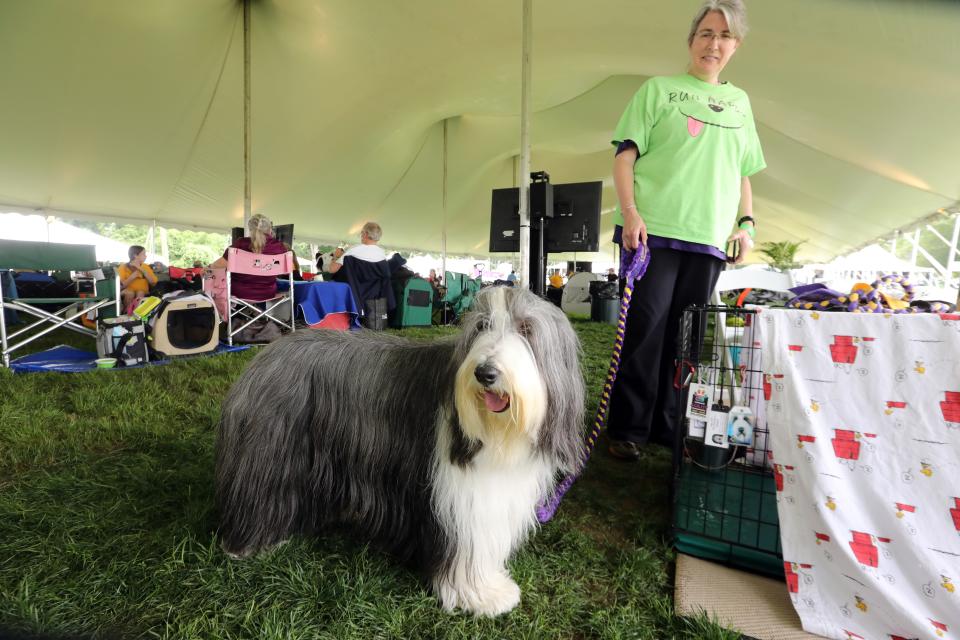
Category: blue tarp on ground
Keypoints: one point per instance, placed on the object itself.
(64, 359)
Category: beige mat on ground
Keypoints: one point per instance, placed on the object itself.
(755, 606)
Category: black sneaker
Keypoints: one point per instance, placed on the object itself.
(624, 450)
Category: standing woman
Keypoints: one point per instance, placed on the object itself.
(686, 147)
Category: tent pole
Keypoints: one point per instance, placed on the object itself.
(246, 112)
(443, 191)
(916, 245)
(151, 237)
(525, 146)
(164, 247)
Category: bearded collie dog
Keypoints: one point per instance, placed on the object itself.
(437, 452)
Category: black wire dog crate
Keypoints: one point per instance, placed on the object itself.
(725, 482)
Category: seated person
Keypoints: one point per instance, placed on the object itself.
(324, 260)
(367, 250)
(261, 241)
(136, 278)
(160, 270)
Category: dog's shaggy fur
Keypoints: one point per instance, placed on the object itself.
(438, 452)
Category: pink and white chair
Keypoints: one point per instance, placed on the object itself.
(246, 310)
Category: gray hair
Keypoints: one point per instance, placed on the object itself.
(373, 231)
(259, 227)
(733, 10)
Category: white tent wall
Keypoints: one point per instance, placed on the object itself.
(15, 226)
(130, 110)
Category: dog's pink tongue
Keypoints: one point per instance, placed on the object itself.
(494, 402)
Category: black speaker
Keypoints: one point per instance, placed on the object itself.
(541, 200)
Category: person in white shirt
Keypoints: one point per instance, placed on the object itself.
(367, 250)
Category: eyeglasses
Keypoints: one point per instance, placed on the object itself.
(710, 35)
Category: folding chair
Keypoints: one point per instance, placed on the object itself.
(743, 279)
(751, 279)
(372, 290)
(245, 309)
(50, 256)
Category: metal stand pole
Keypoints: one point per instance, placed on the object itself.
(525, 145)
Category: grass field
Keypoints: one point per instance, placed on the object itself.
(107, 529)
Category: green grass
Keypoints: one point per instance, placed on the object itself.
(107, 529)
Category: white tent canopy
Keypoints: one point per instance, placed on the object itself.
(875, 258)
(134, 110)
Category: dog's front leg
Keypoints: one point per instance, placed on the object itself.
(478, 584)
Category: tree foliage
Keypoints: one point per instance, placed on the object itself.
(185, 246)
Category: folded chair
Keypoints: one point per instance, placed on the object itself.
(51, 256)
(243, 312)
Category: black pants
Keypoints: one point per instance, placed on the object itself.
(643, 403)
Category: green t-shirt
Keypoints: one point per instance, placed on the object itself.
(696, 141)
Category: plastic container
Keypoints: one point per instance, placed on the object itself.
(106, 363)
(604, 302)
(146, 307)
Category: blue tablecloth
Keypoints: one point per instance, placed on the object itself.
(317, 299)
(29, 276)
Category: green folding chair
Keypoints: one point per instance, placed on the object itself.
(454, 284)
(414, 304)
(51, 256)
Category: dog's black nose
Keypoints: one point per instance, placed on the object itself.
(486, 375)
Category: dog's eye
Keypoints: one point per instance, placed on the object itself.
(483, 324)
(523, 328)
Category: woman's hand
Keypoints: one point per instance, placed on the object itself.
(745, 241)
(634, 230)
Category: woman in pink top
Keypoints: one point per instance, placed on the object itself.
(260, 240)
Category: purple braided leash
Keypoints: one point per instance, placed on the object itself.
(638, 262)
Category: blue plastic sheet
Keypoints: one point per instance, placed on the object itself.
(64, 359)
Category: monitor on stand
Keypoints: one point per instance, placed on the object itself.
(284, 233)
(572, 223)
(575, 226)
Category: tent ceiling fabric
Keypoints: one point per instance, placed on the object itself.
(133, 110)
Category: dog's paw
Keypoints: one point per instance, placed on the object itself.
(238, 555)
(249, 552)
(494, 596)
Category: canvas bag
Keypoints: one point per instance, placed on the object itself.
(123, 338)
